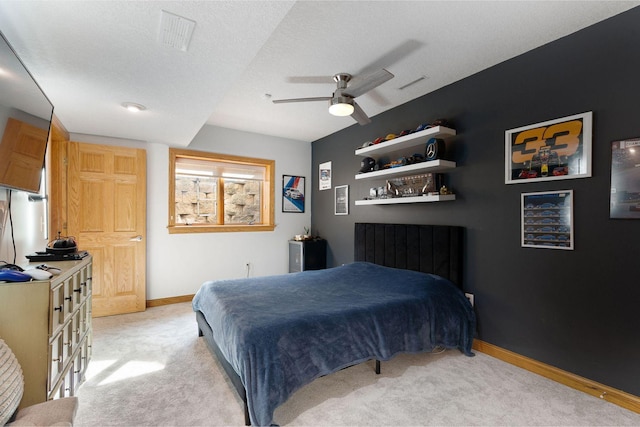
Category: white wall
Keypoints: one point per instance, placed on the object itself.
(28, 226)
(177, 264)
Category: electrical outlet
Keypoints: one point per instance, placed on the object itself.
(3, 214)
(469, 297)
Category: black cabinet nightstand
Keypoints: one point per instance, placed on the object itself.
(307, 255)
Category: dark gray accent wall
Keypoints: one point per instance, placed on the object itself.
(576, 310)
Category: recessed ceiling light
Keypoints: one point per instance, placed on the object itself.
(133, 107)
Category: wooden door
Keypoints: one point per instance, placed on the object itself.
(106, 213)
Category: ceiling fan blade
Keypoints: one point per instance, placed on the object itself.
(359, 115)
(310, 79)
(282, 101)
(367, 83)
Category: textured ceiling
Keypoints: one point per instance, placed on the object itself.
(91, 56)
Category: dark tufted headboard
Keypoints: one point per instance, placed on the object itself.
(433, 249)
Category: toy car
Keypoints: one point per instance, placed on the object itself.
(560, 170)
(527, 173)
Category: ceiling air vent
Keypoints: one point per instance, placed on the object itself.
(419, 79)
(175, 31)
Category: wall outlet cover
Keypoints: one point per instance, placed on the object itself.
(4, 213)
(4, 207)
(470, 298)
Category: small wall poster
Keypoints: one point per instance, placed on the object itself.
(342, 200)
(325, 176)
(292, 193)
(547, 220)
(625, 179)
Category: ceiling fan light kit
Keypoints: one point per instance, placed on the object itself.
(341, 106)
(342, 102)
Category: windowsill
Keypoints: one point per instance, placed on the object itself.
(198, 228)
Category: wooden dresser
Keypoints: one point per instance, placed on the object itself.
(47, 324)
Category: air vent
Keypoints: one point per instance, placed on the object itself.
(419, 79)
(175, 31)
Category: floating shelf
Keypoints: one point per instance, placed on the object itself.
(405, 146)
(426, 167)
(415, 199)
(407, 142)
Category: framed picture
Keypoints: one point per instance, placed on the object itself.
(547, 220)
(325, 176)
(342, 200)
(552, 150)
(292, 193)
(625, 179)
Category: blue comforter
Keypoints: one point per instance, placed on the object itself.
(281, 332)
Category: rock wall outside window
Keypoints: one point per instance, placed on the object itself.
(196, 201)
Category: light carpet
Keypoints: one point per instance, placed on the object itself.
(151, 369)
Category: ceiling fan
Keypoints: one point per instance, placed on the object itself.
(342, 102)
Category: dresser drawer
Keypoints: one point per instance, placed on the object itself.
(67, 341)
(83, 322)
(69, 386)
(70, 302)
(77, 291)
(56, 351)
(87, 316)
(89, 346)
(57, 390)
(80, 362)
(64, 387)
(56, 308)
(76, 321)
(85, 281)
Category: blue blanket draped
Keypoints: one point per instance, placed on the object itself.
(281, 332)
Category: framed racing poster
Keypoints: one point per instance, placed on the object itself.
(552, 150)
(324, 174)
(292, 193)
(625, 179)
(341, 203)
(547, 220)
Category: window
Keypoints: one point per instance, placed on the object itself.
(214, 192)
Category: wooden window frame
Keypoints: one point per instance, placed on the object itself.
(267, 211)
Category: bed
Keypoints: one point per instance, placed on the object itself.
(274, 334)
